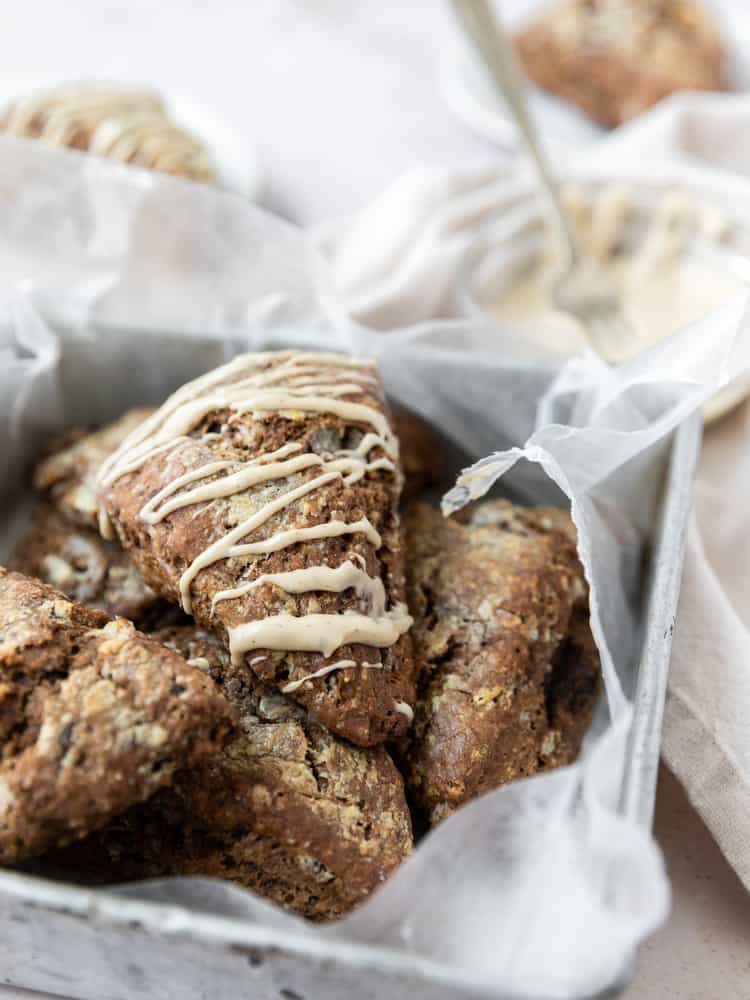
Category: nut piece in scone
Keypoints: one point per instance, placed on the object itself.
(67, 477)
(286, 809)
(508, 672)
(615, 58)
(421, 454)
(263, 497)
(94, 717)
(88, 569)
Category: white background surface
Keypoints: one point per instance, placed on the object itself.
(338, 97)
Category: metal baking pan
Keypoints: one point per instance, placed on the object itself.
(100, 946)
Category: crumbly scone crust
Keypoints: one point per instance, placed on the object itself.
(359, 704)
(286, 809)
(615, 58)
(494, 603)
(67, 477)
(82, 565)
(94, 717)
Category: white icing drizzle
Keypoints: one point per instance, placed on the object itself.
(300, 581)
(317, 633)
(138, 459)
(329, 529)
(404, 709)
(250, 474)
(296, 383)
(222, 548)
(189, 405)
(329, 669)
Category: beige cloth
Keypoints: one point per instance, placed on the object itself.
(706, 728)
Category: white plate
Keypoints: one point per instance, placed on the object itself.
(563, 128)
(235, 162)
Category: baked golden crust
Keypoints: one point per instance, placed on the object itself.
(94, 717)
(360, 703)
(87, 569)
(286, 809)
(508, 674)
(67, 477)
(616, 58)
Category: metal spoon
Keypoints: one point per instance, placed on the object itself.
(584, 289)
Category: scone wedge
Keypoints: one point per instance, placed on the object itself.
(508, 670)
(286, 809)
(263, 497)
(94, 717)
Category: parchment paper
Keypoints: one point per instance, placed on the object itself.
(119, 285)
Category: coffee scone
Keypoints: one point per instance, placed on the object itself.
(82, 565)
(119, 123)
(67, 476)
(286, 809)
(616, 58)
(94, 717)
(508, 671)
(263, 497)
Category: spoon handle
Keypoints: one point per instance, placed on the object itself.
(490, 41)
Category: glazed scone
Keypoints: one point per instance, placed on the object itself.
(129, 126)
(615, 58)
(94, 717)
(508, 672)
(288, 810)
(67, 477)
(82, 565)
(263, 497)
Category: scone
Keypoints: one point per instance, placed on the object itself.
(615, 58)
(82, 565)
(508, 671)
(129, 126)
(94, 717)
(286, 809)
(263, 497)
(67, 476)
